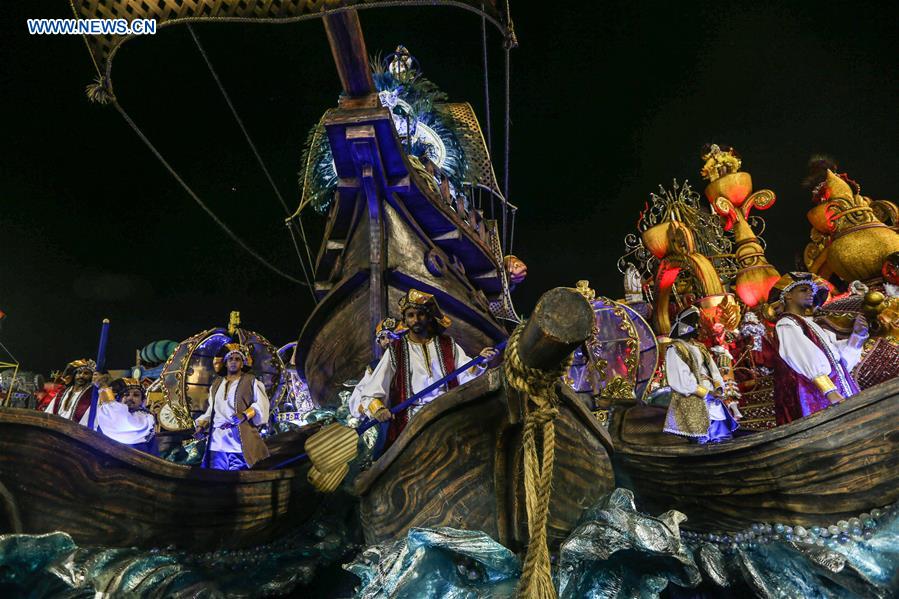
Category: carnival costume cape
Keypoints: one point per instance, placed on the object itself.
(693, 412)
(252, 446)
(809, 363)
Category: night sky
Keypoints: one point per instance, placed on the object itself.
(609, 100)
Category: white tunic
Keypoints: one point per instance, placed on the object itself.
(229, 439)
(681, 378)
(69, 401)
(802, 355)
(424, 359)
(118, 423)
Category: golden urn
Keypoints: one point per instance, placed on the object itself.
(859, 241)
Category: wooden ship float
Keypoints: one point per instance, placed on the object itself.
(390, 228)
(459, 462)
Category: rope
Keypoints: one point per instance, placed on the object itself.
(486, 83)
(259, 159)
(296, 247)
(539, 386)
(506, 148)
(197, 199)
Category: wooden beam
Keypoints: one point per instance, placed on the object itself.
(562, 321)
(350, 55)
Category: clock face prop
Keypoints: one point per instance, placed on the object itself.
(168, 420)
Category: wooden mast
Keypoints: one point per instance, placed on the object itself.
(351, 58)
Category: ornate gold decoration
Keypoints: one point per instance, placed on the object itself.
(583, 287)
(852, 240)
(730, 195)
(618, 388)
(719, 162)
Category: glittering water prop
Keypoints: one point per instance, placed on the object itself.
(52, 565)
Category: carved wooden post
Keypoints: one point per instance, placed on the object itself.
(562, 321)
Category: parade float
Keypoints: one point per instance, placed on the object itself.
(406, 190)
(827, 467)
(528, 454)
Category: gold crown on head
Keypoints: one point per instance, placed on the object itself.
(83, 363)
(419, 299)
(242, 350)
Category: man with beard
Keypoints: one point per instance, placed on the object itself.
(421, 357)
(74, 401)
(122, 414)
(238, 407)
(812, 368)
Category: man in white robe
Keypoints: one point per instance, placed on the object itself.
(813, 367)
(238, 407)
(696, 409)
(74, 401)
(122, 414)
(420, 358)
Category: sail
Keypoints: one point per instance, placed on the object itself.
(171, 12)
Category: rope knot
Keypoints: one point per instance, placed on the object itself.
(541, 411)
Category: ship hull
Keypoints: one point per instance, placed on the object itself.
(830, 466)
(56, 475)
(459, 463)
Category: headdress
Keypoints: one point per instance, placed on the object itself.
(241, 350)
(791, 280)
(82, 363)
(686, 322)
(391, 327)
(119, 386)
(419, 299)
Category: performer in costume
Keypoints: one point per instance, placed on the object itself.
(812, 368)
(387, 331)
(696, 410)
(75, 400)
(122, 414)
(421, 357)
(238, 406)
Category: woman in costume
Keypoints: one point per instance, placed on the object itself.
(695, 410)
(122, 414)
(812, 369)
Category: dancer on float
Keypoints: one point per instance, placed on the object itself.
(238, 407)
(75, 399)
(387, 331)
(696, 409)
(812, 368)
(421, 357)
(122, 413)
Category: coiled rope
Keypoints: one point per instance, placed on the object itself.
(540, 413)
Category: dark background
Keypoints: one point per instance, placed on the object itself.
(609, 99)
